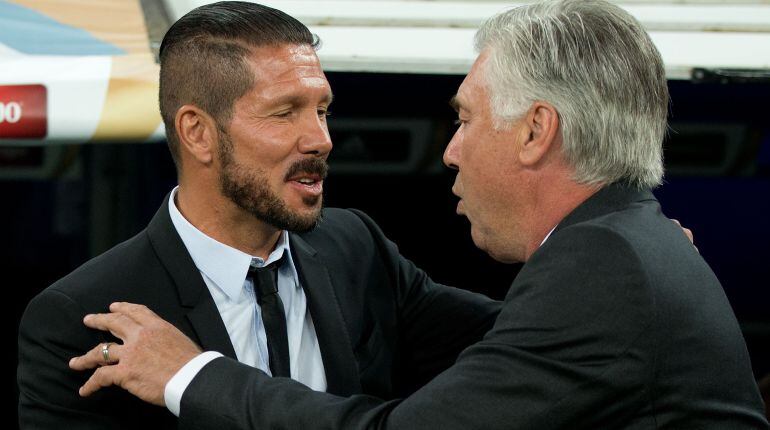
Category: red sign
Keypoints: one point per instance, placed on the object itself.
(23, 111)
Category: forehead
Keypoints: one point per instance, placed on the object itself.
(473, 88)
(286, 68)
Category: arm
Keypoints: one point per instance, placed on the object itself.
(568, 350)
(571, 348)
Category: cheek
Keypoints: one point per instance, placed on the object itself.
(272, 158)
(478, 167)
(487, 180)
(253, 164)
(264, 141)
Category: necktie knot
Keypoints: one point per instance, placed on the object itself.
(265, 279)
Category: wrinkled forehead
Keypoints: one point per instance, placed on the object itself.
(287, 67)
(474, 84)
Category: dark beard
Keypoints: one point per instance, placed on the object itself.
(249, 190)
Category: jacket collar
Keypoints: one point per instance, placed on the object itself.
(202, 313)
(610, 198)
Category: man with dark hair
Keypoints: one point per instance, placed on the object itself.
(241, 257)
(204, 58)
(614, 322)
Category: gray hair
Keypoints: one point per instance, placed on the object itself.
(595, 64)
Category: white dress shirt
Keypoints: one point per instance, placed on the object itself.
(224, 270)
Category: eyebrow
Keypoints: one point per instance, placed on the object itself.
(455, 103)
(298, 100)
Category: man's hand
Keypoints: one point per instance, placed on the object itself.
(687, 232)
(152, 352)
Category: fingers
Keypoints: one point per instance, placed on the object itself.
(96, 357)
(687, 231)
(88, 360)
(125, 318)
(136, 312)
(102, 377)
(117, 324)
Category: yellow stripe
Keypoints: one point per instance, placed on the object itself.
(131, 106)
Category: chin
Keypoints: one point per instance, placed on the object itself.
(501, 257)
(312, 215)
(479, 242)
(302, 205)
(507, 259)
(501, 254)
(304, 219)
(308, 210)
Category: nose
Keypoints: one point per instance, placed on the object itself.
(452, 153)
(314, 138)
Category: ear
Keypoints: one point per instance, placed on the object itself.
(197, 133)
(542, 122)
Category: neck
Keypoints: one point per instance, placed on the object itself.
(554, 199)
(219, 218)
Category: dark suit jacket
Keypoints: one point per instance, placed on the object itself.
(383, 326)
(616, 322)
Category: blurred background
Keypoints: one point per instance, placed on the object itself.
(83, 163)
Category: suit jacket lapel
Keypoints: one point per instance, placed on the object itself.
(336, 350)
(194, 296)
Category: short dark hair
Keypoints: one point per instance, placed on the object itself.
(203, 57)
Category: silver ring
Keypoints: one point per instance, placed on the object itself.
(106, 352)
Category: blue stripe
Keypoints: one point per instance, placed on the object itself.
(31, 32)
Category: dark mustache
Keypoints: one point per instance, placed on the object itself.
(311, 165)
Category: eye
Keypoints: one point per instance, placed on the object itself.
(283, 114)
(324, 113)
(458, 122)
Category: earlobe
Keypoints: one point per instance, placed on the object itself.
(542, 123)
(197, 133)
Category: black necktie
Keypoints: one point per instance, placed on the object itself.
(273, 317)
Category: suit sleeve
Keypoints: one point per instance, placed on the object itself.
(51, 332)
(567, 351)
(436, 322)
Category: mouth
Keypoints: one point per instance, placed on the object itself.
(460, 209)
(308, 183)
(307, 176)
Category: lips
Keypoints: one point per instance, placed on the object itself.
(307, 171)
(307, 176)
(456, 192)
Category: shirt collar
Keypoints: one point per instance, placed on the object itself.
(548, 235)
(223, 264)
